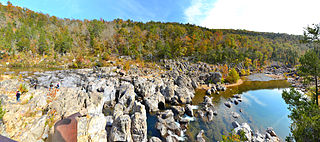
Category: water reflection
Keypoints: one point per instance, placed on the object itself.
(262, 106)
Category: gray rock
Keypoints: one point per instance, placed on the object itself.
(154, 139)
(109, 95)
(139, 123)
(214, 77)
(154, 101)
(200, 137)
(189, 110)
(178, 110)
(235, 124)
(208, 92)
(227, 104)
(235, 115)
(120, 130)
(96, 128)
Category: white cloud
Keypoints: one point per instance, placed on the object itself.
(284, 16)
(197, 11)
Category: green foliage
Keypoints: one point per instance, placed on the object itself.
(234, 137)
(23, 88)
(2, 111)
(26, 31)
(243, 72)
(305, 116)
(233, 76)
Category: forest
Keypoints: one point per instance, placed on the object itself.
(28, 38)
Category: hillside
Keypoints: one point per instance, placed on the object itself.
(36, 39)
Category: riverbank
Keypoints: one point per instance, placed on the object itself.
(117, 95)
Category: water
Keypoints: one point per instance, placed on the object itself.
(262, 106)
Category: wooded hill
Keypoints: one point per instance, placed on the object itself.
(25, 34)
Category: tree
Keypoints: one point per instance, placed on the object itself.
(310, 61)
(305, 116)
(310, 66)
(233, 76)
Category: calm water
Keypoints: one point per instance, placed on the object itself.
(262, 106)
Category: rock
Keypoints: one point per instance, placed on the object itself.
(126, 96)
(189, 110)
(109, 95)
(237, 96)
(184, 95)
(139, 123)
(208, 92)
(178, 110)
(210, 115)
(221, 88)
(184, 81)
(82, 134)
(200, 137)
(166, 124)
(246, 129)
(235, 115)
(235, 124)
(155, 102)
(201, 114)
(35, 130)
(227, 104)
(271, 132)
(208, 101)
(214, 77)
(257, 137)
(235, 102)
(96, 128)
(168, 91)
(120, 130)
(154, 139)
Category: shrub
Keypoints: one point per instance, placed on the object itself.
(23, 88)
(243, 72)
(2, 111)
(233, 76)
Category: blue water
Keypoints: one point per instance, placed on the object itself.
(261, 108)
(266, 108)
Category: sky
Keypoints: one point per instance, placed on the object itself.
(278, 16)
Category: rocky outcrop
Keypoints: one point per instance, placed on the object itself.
(270, 135)
(139, 123)
(121, 129)
(167, 125)
(200, 136)
(154, 139)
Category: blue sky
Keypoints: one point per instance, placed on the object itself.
(283, 16)
(137, 10)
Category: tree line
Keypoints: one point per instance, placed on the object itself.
(25, 31)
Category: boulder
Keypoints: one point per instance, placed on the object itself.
(208, 92)
(235, 115)
(227, 104)
(126, 96)
(235, 124)
(109, 95)
(166, 122)
(246, 129)
(96, 128)
(178, 110)
(120, 130)
(155, 102)
(184, 95)
(154, 139)
(36, 130)
(214, 77)
(139, 123)
(200, 136)
(189, 110)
